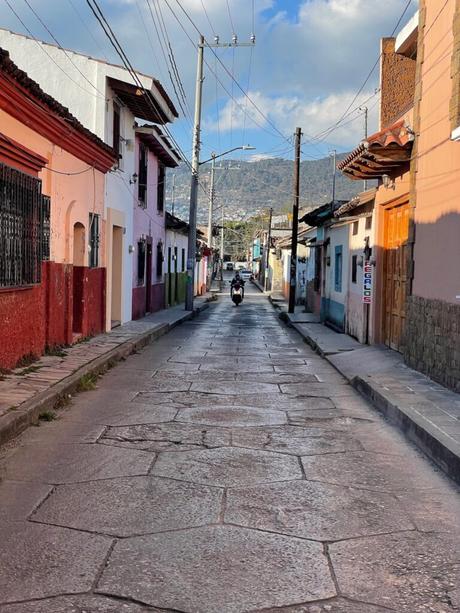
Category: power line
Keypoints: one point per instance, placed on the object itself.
(99, 15)
(41, 45)
(62, 48)
(219, 81)
(344, 114)
(207, 17)
(88, 29)
(171, 55)
(230, 17)
(265, 117)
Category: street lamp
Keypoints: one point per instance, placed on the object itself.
(192, 227)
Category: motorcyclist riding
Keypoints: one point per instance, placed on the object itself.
(237, 280)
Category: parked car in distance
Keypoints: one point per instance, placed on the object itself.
(229, 266)
(245, 274)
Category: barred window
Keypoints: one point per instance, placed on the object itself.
(94, 240)
(142, 178)
(24, 228)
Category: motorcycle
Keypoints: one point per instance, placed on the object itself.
(237, 293)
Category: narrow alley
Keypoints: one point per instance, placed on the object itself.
(225, 468)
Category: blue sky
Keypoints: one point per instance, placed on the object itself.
(310, 58)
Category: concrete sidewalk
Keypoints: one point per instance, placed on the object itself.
(30, 391)
(427, 413)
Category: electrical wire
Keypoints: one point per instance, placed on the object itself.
(59, 172)
(262, 127)
(102, 95)
(108, 31)
(172, 56)
(230, 18)
(207, 17)
(263, 115)
(42, 47)
(85, 25)
(374, 66)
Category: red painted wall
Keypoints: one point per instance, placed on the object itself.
(32, 319)
(88, 300)
(157, 299)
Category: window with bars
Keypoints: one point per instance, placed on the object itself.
(161, 188)
(142, 178)
(338, 269)
(141, 250)
(24, 228)
(94, 240)
(160, 259)
(116, 130)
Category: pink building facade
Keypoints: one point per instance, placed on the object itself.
(154, 155)
(52, 234)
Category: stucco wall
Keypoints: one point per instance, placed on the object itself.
(356, 310)
(334, 301)
(437, 182)
(41, 316)
(73, 196)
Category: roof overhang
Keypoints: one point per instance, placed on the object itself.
(385, 152)
(157, 142)
(150, 104)
(322, 214)
(360, 200)
(174, 223)
(406, 40)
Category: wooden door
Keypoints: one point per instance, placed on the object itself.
(395, 274)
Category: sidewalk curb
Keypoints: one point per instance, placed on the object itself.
(433, 442)
(27, 414)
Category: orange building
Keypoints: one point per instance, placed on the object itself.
(414, 157)
(433, 307)
(52, 186)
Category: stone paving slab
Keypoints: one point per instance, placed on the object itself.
(428, 413)
(157, 505)
(76, 604)
(374, 569)
(68, 463)
(244, 512)
(39, 561)
(27, 392)
(227, 467)
(316, 511)
(183, 569)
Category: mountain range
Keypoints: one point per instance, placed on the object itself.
(247, 188)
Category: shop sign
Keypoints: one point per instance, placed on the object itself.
(367, 283)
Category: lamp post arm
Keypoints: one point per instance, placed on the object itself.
(214, 157)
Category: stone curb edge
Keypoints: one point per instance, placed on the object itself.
(27, 414)
(434, 443)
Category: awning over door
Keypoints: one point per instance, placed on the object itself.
(382, 153)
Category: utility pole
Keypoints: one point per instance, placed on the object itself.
(222, 244)
(191, 251)
(211, 200)
(269, 240)
(366, 113)
(173, 193)
(334, 169)
(295, 222)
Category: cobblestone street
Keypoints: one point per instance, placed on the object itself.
(225, 468)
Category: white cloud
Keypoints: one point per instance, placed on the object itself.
(314, 117)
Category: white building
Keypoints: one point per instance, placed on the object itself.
(105, 99)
